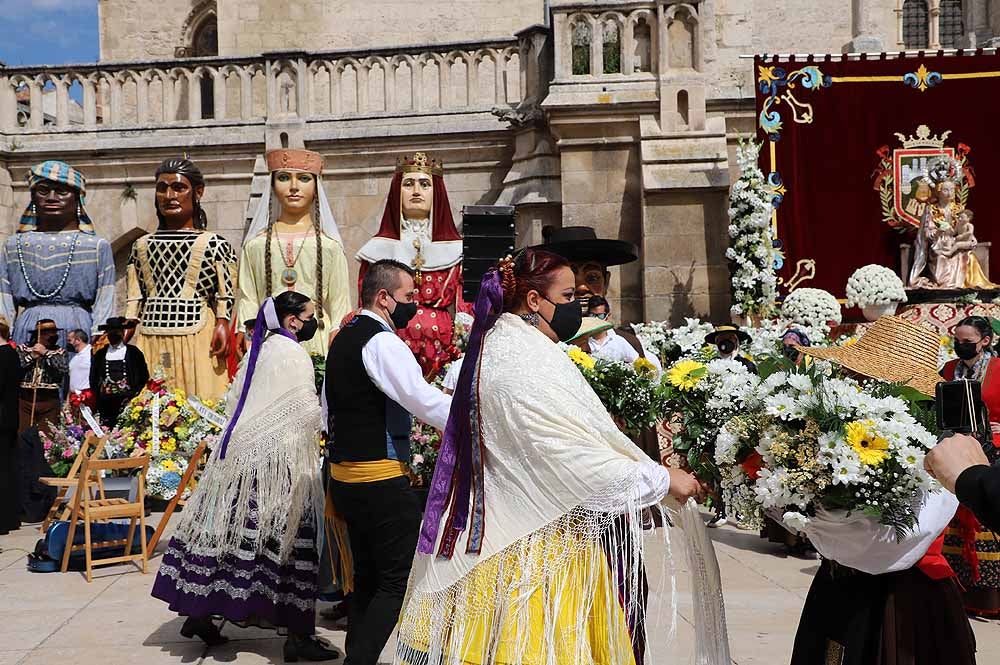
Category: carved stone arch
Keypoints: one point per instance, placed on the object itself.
(581, 42)
(201, 17)
(612, 50)
(642, 30)
(682, 37)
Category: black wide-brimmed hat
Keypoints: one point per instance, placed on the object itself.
(580, 243)
(740, 335)
(117, 323)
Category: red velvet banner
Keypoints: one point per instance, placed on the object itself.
(845, 143)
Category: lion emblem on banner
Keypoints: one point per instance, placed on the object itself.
(903, 179)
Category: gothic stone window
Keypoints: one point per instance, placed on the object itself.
(581, 48)
(930, 24)
(916, 29)
(950, 23)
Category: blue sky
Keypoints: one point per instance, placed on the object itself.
(48, 32)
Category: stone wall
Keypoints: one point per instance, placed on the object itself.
(248, 27)
(142, 30)
(132, 30)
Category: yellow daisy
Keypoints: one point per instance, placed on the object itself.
(644, 367)
(870, 447)
(686, 374)
(581, 358)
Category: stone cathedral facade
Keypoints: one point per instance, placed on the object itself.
(620, 115)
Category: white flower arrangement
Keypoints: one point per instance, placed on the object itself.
(751, 248)
(874, 285)
(814, 442)
(811, 307)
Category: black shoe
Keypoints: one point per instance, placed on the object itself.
(308, 647)
(205, 629)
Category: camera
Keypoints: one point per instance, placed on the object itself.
(960, 410)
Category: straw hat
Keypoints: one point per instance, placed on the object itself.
(893, 350)
(741, 335)
(591, 325)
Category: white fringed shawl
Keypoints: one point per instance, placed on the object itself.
(558, 473)
(273, 461)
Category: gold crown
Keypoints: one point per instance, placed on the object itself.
(297, 160)
(419, 162)
(923, 139)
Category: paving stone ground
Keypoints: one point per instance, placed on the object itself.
(55, 618)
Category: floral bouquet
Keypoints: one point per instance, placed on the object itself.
(164, 477)
(874, 285)
(425, 444)
(179, 426)
(61, 443)
(811, 442)
(671, 344)
(704, 397)
(630, 392)
(811, 307)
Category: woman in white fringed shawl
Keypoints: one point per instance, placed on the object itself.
(552, 495)
(245, 548)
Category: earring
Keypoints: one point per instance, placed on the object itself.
(79, 213)
(531, 318)
(34, 211)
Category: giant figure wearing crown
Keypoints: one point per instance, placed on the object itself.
(417, 229)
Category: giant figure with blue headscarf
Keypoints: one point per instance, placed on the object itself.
(55, 267)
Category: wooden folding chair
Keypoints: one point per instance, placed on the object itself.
(92, 448)
(92, 509)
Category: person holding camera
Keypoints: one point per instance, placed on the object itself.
(972, 550)
(960, 465)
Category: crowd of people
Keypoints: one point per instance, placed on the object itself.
(529, 546)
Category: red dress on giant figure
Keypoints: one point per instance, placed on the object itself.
(432, 247)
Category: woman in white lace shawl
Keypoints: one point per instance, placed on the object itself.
(245, 548)
(551, 494)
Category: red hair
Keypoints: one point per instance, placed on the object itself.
(533, 270)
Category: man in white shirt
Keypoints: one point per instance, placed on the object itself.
(78, 342)
(609, 345)
(373, 386)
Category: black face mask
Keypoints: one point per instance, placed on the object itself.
(404, 312)
(727, 346)
(308, 330)
(966, 350)
(566, 319)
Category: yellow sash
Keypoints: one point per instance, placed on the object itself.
(367, 472)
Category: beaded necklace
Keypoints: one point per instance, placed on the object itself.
(65, 275)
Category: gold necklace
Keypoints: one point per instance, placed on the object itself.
(289, 275)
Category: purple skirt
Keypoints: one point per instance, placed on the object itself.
(245, 588)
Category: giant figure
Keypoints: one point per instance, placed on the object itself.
(55, 267)
(180, 286)
(293, 244)
(418, 230)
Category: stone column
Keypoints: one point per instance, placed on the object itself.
(864, 27)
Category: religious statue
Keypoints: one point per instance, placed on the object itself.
(55, 267)
(943, 255)
(180, 286)
(418, 230)
(293, 244)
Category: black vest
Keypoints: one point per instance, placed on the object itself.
(365, 425)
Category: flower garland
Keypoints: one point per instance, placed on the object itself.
(751, 251)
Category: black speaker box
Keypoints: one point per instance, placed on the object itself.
(487, 236)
